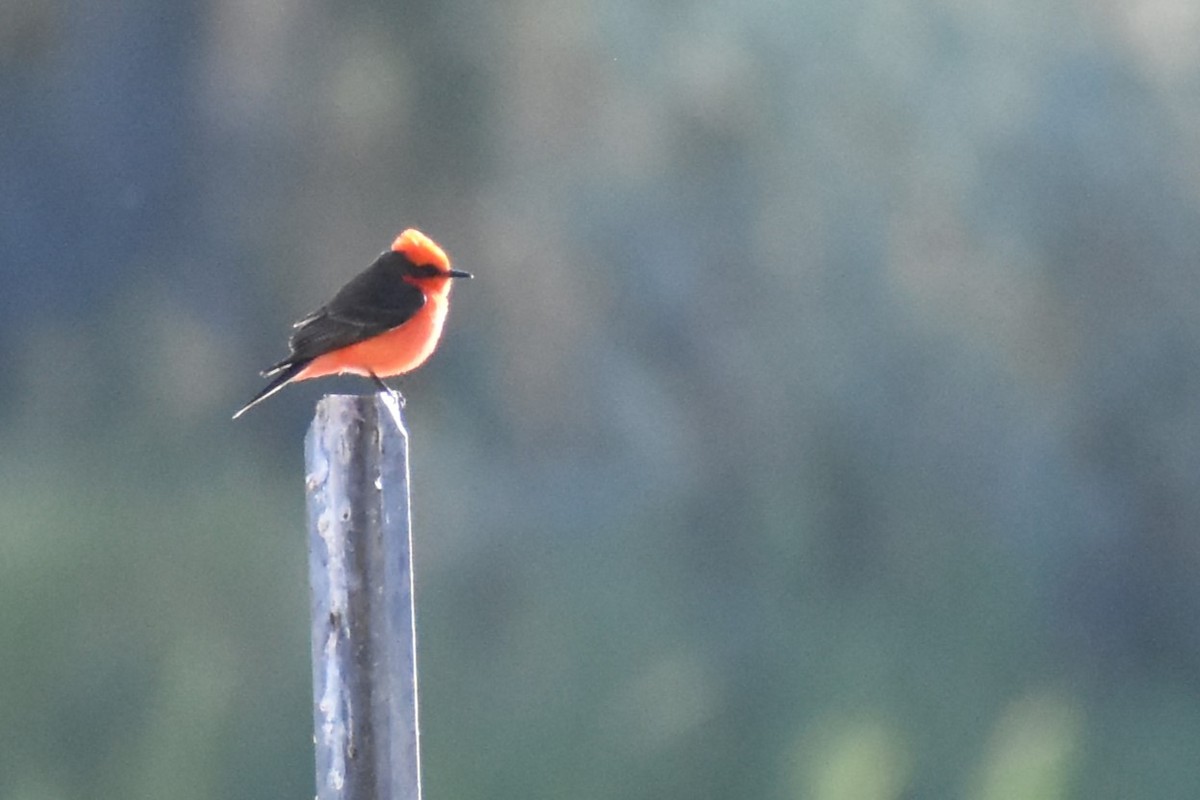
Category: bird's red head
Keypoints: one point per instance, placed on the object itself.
(424, 254)
(421, 250)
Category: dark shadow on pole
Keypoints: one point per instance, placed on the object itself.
(363, 633)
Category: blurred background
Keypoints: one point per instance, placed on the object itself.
(821, 422)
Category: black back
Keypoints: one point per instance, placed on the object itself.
(375, 301)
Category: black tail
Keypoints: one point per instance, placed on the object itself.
(282, 376)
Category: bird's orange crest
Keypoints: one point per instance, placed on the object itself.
(420, 249)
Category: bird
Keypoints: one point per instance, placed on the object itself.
(384, 322)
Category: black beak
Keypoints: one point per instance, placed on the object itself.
(458, 273)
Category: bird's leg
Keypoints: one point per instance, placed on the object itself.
(394, 402)
(395, 393)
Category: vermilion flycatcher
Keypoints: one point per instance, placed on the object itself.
(384, 322)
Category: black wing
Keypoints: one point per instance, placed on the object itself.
(375, 301)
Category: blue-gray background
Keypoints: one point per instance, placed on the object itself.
(822, 422)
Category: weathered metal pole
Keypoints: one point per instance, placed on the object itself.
(363, 632)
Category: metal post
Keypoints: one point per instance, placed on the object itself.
(363, 632)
